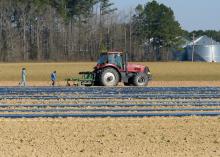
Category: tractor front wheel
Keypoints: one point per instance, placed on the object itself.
(140, 79)
(109, 77)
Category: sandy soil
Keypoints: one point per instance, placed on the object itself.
(192, 136)
(110, 137)
(151, 84)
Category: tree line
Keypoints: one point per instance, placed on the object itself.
(211, 33)
(70, 30)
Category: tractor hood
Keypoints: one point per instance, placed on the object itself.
(137, 68)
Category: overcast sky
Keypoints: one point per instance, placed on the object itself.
(191, 14)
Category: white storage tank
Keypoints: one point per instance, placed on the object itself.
(205, 49)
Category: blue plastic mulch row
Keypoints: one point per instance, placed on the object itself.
(102, 115)
(47, 93)
(109, 105)
(115, 96)
(111, 110)
(195, 97)
(107, 90)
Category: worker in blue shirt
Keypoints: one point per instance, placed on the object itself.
(23, 77)
(53, 78)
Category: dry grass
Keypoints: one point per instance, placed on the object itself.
(162, 71)
(41, 71)
(185, 71)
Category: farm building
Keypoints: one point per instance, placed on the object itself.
(203, 49)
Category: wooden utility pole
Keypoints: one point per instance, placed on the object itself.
(130, 32)
(24, 38)
(212, 48)
(193, 47)
(125, 39)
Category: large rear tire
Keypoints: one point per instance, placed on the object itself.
(109, 77)
(140, 79)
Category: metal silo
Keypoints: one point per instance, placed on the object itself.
(205, 49)
(216, 53)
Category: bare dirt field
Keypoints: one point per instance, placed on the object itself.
(127, 137)
(151, 83)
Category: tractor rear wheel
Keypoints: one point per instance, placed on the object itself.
(140, 79)
(109, 77)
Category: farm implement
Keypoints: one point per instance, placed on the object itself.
(86, 79)
(112, 68)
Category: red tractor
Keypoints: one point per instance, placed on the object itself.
(112, 68)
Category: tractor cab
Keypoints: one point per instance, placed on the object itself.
(111, 58)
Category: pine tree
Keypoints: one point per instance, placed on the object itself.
(106, 8)
(156, 24)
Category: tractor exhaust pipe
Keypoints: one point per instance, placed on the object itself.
(126, 63)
